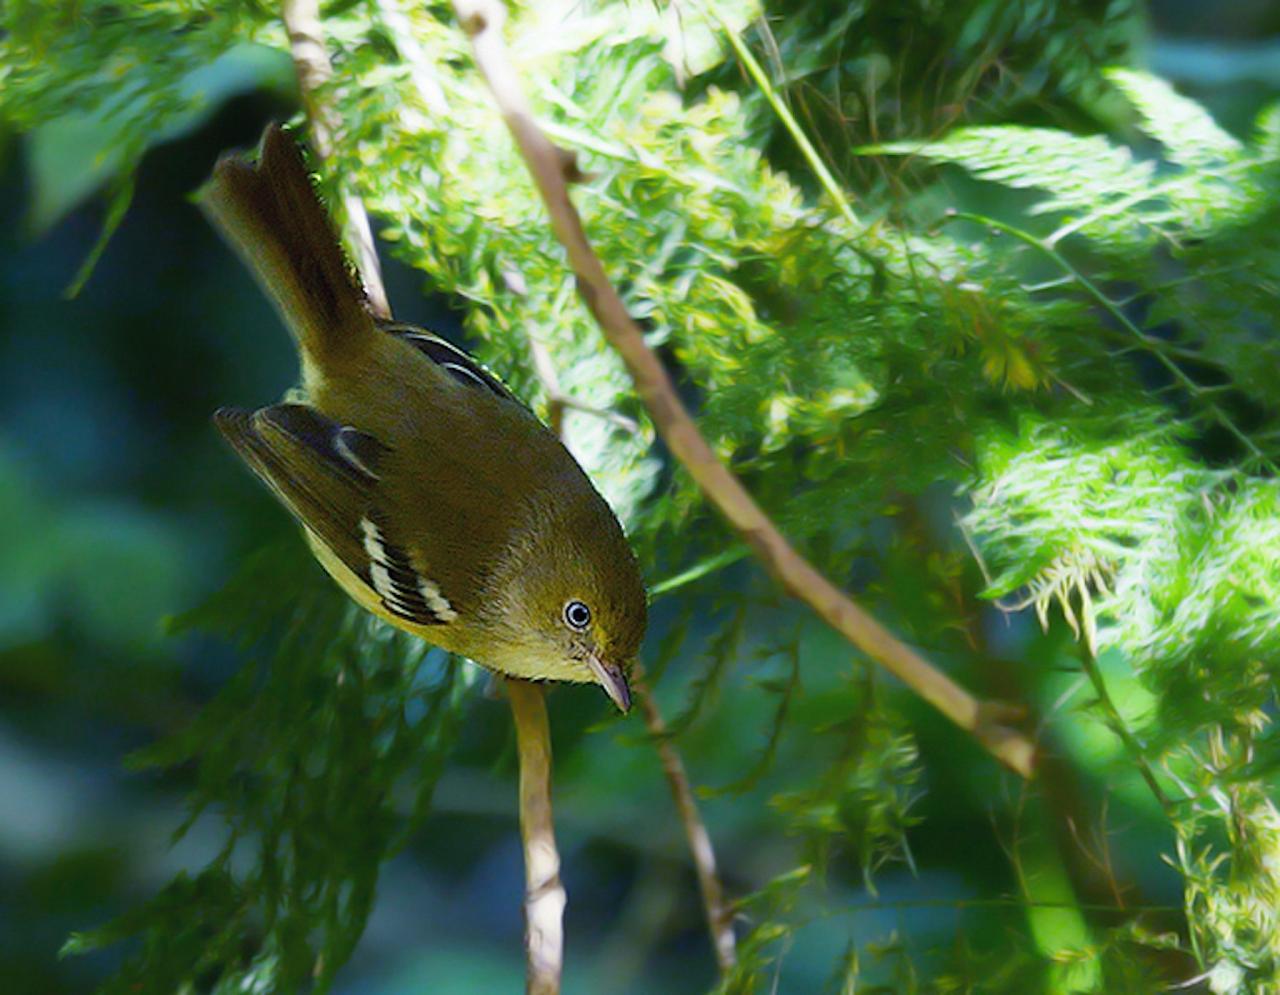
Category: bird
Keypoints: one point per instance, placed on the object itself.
(432, 496)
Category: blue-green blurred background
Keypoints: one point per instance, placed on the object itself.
(120, 507)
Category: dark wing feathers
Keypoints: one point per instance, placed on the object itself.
(391, 574)
(454, 361)
(285, 445)
(327, 474)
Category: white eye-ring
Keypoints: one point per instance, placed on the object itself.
(577, 616)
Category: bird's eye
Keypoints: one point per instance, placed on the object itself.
(577, 616)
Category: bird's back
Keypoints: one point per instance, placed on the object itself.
(438, 427)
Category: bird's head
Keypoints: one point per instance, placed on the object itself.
(571, 604)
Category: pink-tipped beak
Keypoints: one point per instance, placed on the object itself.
(613, 680)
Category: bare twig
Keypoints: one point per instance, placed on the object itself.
(987, 721)
(719, 919)
(544, 894)
(558, 401)
(306, 43)
(719, 915)
(545, 369)
(1116, 723)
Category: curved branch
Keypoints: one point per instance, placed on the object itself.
(987, 721)
(719, 914)
(719, 917)
(544, 894)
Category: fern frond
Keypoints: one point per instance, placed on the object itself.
(1266, 138)
(1074, 170)
(1190, 136)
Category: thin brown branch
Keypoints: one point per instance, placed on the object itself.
(987, 721)
(311, 61)
(544, 894)
(719, 915)
(544, 369)
(719, 918)
(621, 420)
(558, 401)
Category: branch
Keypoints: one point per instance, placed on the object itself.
(1114, 720)
(558, 401)
(482, 20)
(306, 44)
(544, 894)
(421, 67)
(719, 918)
(719, 915)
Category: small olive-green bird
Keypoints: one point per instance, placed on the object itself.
(431, 495)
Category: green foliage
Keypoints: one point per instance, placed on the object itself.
(862, 72)
(863, 798)
(1196, 236)
(771, 907)
(321, 761)
(1146, 550)
(1097, 384)
(1113, 519)
(96, 90)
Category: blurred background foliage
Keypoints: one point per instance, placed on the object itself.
(1018, 395)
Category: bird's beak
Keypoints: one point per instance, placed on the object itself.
(612, 679)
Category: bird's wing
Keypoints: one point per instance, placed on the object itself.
(327, 475)
(458, 363)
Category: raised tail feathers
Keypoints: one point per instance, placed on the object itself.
(271, 215)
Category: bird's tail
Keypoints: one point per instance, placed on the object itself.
(271, 215)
